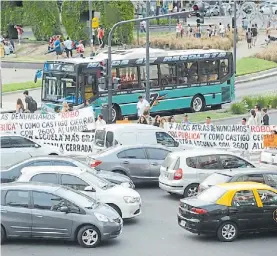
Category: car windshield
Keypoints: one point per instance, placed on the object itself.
(100, 138)
(212, 194)
(77, 197)
(216, 178)
(89, 176)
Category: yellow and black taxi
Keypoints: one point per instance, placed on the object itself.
(229, 209)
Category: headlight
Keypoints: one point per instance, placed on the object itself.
(126, 185)
(102, 217)
(129, 199)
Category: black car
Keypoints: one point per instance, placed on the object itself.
(230, 209)
(268, 177)
(13, 172)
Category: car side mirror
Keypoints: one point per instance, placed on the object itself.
(89, 189)
(176, 144)
(64, 209)
(37, 146)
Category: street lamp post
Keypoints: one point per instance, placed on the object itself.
(109, 62)
(1, 105)
(147, 60)
(90, 28)
(235, 37)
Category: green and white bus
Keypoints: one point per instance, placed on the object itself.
(181, 79)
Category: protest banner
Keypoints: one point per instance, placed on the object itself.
(235, 137)
(37, 124)
(77, 143)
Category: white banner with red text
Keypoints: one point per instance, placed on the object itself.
(234, 137)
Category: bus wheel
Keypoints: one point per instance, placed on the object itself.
(116, 113)
(198, 103)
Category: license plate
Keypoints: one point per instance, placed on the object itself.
(183, 223)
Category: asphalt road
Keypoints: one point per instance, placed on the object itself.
(154, 233)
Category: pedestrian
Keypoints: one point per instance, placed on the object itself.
(143, 26)
(198, 31)
(221, 29)
(186, 120)
(142, 105)
(57, 109)
(265, 117)
(254, 31)
(57, 47)
(19, 106)
(100, 121)
(65, 107)
(157, 121)
(80, 47)
(142, 120)
(68, 47)
(147, 116)
(208, 120)
(163, 121)
(178, 30)
(209, 31)
(189, 31)
(258, 115)
(19, 32)
(249, 37)
(31, 104)
(171, 119)
(243, 121)
(228, 27)
(101, 36)
(252, 119)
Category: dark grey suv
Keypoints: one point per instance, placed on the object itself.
(38, 210)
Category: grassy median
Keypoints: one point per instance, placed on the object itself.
(252, 65)
(21, 86)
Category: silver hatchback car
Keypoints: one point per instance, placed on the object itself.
(38, 210)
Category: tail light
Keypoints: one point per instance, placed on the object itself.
(95, 163)
(178, 174)
(199, 211)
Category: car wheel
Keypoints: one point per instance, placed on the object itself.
(276, 12)
(198, 103)
(120, 172)
(88, 236)
(116, 113)
(191, 190)
(3, 235)
(116, 208)
(227, 232)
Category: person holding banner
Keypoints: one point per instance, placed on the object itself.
(19, 106)
(252, 119)
(65, 107)
(258, 114)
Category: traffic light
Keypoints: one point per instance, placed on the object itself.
(199, 12)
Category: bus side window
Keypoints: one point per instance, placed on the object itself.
(183, 72)
(208, 71)
(192, 72)
(168, 74)
(223, 68)
(154, 78)
(129, 78)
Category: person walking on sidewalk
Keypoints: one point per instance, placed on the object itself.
(31, 104)
(68, 47)
(249, 37)
(254, 31)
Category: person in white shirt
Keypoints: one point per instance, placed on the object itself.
(258, 115)
(100, 121)
(252, 119)
(221, 29)
(68, 47)
(142, 105)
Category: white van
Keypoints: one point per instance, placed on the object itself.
(131, 134)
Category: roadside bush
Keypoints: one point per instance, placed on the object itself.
(248, 102)
(163, 21)
(270, 53)
(238, 108)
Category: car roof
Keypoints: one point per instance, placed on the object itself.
(243, 186)
(243, 171)
(113, 127)
(51, 169)
(122, 147)
(200, 152)
(30, 186)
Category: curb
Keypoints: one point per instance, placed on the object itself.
(18, 91)
(257, 77)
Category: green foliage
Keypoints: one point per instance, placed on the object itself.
(249, 102)
(111, 13)
(11, 15)
(238, 108)
(44, 17)
(164, 21)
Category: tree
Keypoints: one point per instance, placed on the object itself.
(111, 13)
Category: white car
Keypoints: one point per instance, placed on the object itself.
(125, 201)
(269, 9)
(269, 158)
(183, 171)
(15, 148)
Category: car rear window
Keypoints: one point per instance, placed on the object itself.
(216, 178)
(212, 194)
(171, 162)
